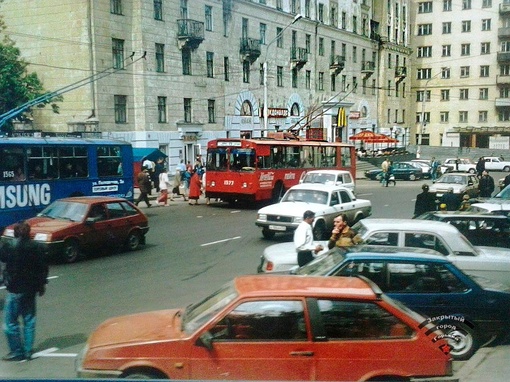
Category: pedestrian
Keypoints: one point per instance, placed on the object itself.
(465, 205)
(486, 185)
(195, 188)
(434, 169)
(425, 201)
(26, 273)
(176, 184)
(145, 186)
(199, 166)
(506, 181)
(303, 239)
(384, 168)
(164, 184)
(185, 182)
(389, 175)
(158, 168)
(342, 235)
(480, 166)
(451, 200)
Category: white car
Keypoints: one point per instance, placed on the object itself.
(458, 164)
(490, 262)
(461, 183)
(496, 164)
(333, 177)
(327, 201)
(424, 165)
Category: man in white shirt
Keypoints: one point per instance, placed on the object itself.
(303, 239)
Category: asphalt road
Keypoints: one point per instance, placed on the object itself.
(190, 251)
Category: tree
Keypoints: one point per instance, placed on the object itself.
(17, 85)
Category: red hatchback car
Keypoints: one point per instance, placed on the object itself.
(272, 328)
(69, 228)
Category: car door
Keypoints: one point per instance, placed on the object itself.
(119, 223)
(95, 233)
(257, 340)
(347, 206)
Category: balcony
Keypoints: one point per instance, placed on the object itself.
(190, 33)
(503, 56)
(503, 32)
(504, 8)
(250, 48)
(337, 64)
(298, 57)
(400, 74)
(502, 80)
(367, 68)
(502, 102)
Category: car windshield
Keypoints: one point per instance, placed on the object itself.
(198, 314)
(486, 283)
(65, 210)
(322, 264)
(307, 196)
(504, 193)
(456, 179)
(319, 178)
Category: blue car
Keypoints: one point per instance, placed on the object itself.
(401, 170)
(470, 311)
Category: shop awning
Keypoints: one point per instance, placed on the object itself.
(152, 154)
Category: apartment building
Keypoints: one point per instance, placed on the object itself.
(461, 73)
(173, 74)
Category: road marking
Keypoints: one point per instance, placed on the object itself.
(49, 278)
(220, 241)
(51, 353)
(235, 211)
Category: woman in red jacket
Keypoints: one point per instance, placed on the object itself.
(195, 188)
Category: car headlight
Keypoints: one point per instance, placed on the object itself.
(42, 237)
(9, 232)
(262, 217)
(298, 219)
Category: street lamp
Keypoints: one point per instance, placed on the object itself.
(264, 65)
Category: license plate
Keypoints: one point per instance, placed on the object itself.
(277, 228)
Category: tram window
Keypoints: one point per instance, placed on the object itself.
(12, 165)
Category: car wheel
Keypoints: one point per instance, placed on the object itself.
(506, 169)
(143, 375)
(412, 177)
(464, 345)
(267, 233)
(278, 192)
(133, 241)
(319, 231)
(71, 251)
(472, 171)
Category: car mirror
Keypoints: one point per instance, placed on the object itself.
(205, 340)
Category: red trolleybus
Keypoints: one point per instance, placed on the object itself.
(263, 169)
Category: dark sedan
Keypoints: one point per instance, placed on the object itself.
(471, 311)
(401, 170)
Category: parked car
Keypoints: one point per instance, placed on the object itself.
(490, 262)
(458, 165)
(332, 177)
(401, 170)
(496, 164)
(498, 204)
(71, 227)
(424, 165)
(272, 328)
(476, 310)
(480, 228)
(325, 200)
(461, 183)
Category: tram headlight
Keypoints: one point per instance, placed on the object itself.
(42, 237)
(9, 232)
(212, 184)
(262, 217)
(245, 185)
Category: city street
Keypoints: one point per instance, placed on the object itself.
(190, 251)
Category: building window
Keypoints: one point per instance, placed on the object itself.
(354, 24)
(447, 51)
(486, 24)
(187, 110)
(261, 74)
(308, 79)
(343, 23)
(246, 72)
(423, 73)
(354, 84)
(354, 54)
(246, 109)
(444, 116)
(308, 43)
(466, 26)
(279, 76)
(116, 7)
(485, 48)
(333, 82)
(184, 9)
(321, 13)
(420, 94)
(162, 110)
(158, 10)
(210, 64)
(466, 4)
(279, 5)
(482, 116)
(484, 71)
(504, 115)
(425, 7)
(321, 46)
(388, 89)
(464, 71)
(120, 106)
(447, 5)
(445, 73)
(486, 3)
(307, 9)
(208, 18)
(186, 61)
(294, 78)
(465, 49)
(263, 29)
(321, 80)
(424, 29)
(445, 94)
(333, 14)
(226, 68)
(279, 37)
(504, 92)
(118, 53)
(294, 7)
(484, 93)
(464, 94)
(426, 117)
(463, 116)
(160, 58)
(447, 28)
(211, 110)
(504, 70)
(424, 51)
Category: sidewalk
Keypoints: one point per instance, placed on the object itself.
(488, 364)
